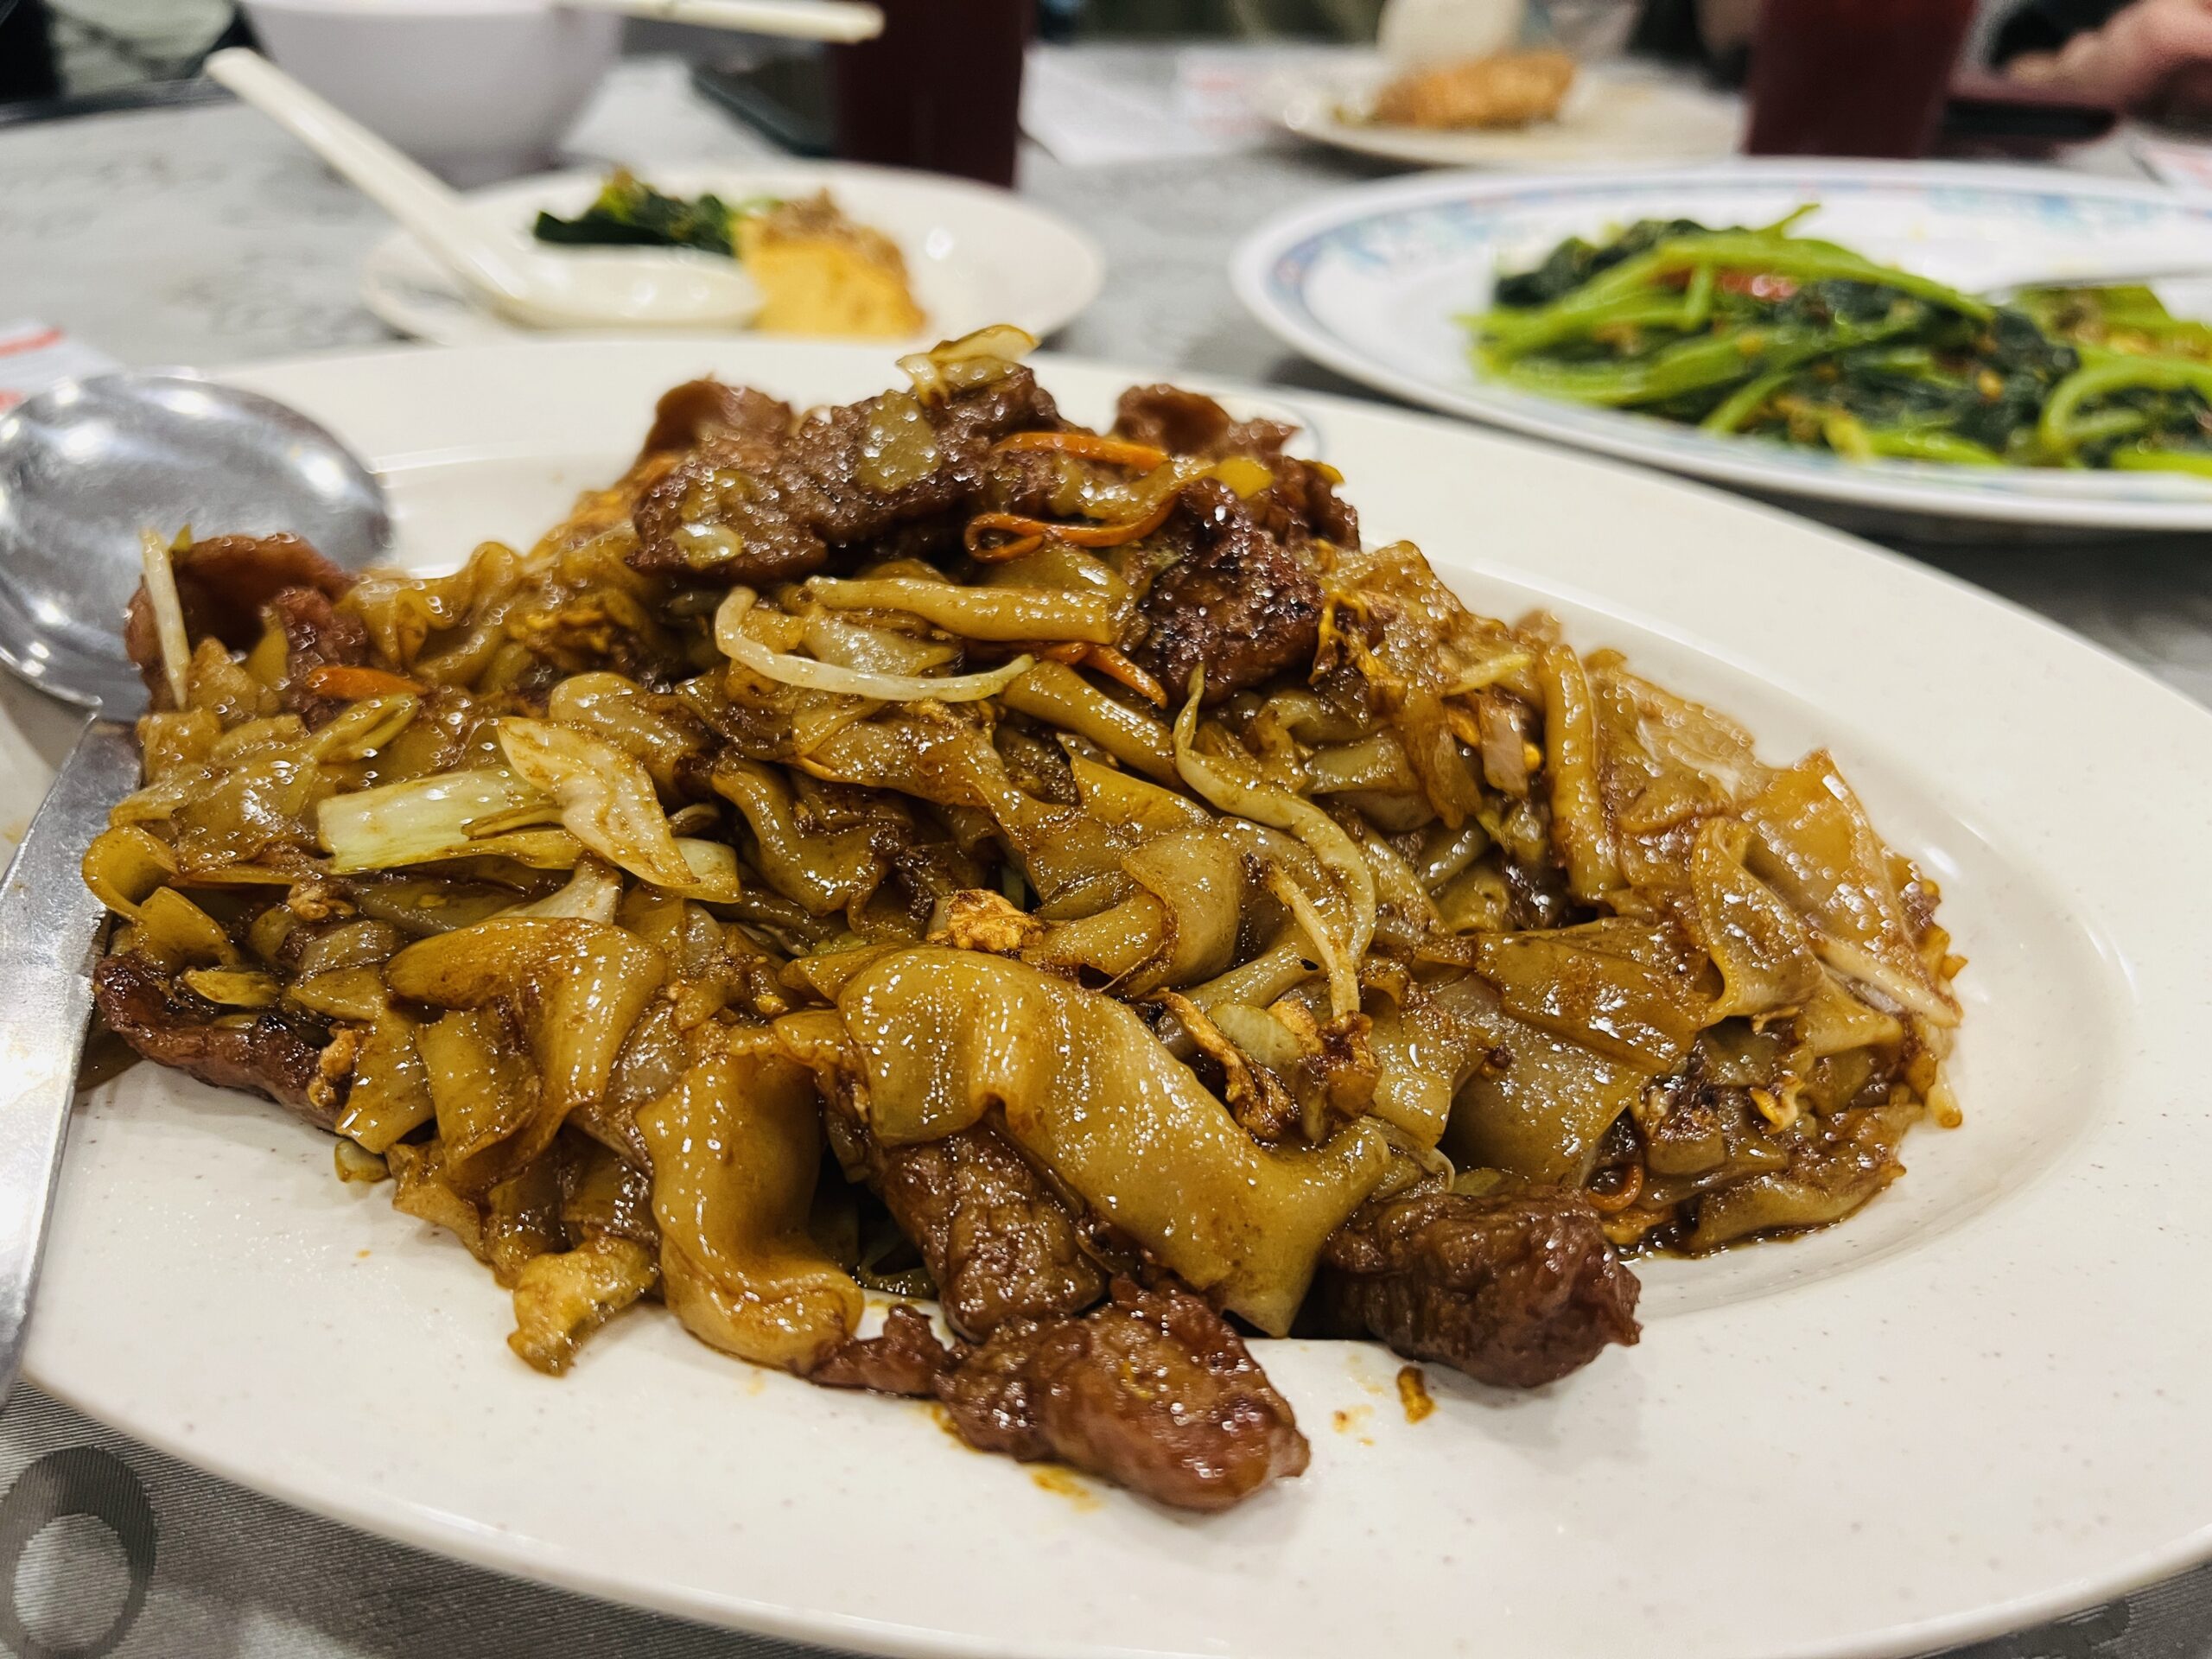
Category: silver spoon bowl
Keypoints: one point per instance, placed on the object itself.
(87, 465)
(84, 467)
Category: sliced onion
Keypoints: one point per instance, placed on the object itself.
(714, 870)
(972, 360)
(813, 676)
(606, 801)
(1344, 973)
(872, 650)
(1339, 854)
(992, 614)
(593, 894)
(430, 818)
(169, 611)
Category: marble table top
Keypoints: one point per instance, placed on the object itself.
(201, 236)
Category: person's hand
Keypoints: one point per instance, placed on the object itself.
(2156, 53)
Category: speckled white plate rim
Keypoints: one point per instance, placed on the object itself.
(107, 1293)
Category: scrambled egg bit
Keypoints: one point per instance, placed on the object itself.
(822, 274)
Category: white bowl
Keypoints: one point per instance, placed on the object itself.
(476, 89)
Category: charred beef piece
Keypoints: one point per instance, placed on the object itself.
(758, 507)
(735, 510)
(998, 1243)
(1191, 423)
(699, 411)
(1029, 482)
(316, 635)
(268, 1055)
(223, 584)
(1517, 1287)
(1154, 1390)
(1303, 506)
(1537, 896)
(1241, 604)
(905, 1358)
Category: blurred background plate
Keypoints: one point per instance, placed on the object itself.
(974, 255)
(1373, 283)
(1658, 116)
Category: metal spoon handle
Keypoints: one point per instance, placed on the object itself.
(49, 926)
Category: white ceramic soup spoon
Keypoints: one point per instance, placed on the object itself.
(597, 288)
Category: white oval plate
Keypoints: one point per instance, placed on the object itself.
(1372, 282)
(1977, 1404)
(1651, 115)
(974, 255)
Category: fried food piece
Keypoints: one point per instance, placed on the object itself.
(564, 1296)
(1302, 506)
(1517, 1287)
(1154, 1391)
(1191, 423)
(317, 635)
(822, 274)
(1513, 89)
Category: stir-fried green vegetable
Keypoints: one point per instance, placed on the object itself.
(630, 213)
(1765, 333)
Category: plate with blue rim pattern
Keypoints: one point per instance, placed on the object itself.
(1373, 283)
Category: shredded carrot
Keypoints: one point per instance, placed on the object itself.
(348, 683)
(1115, 666)
(1005, 552)
(1014, 524)
(1090, 445)
(1631, 1188)
(1076, 653)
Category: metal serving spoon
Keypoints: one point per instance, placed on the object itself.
(83, 469)
(596, 288)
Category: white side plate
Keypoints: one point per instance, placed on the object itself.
(1977, 1404)
(975, 256)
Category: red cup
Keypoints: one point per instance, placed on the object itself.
(939, 89)
(1853, 77)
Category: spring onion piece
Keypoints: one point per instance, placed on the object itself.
(427, 817)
